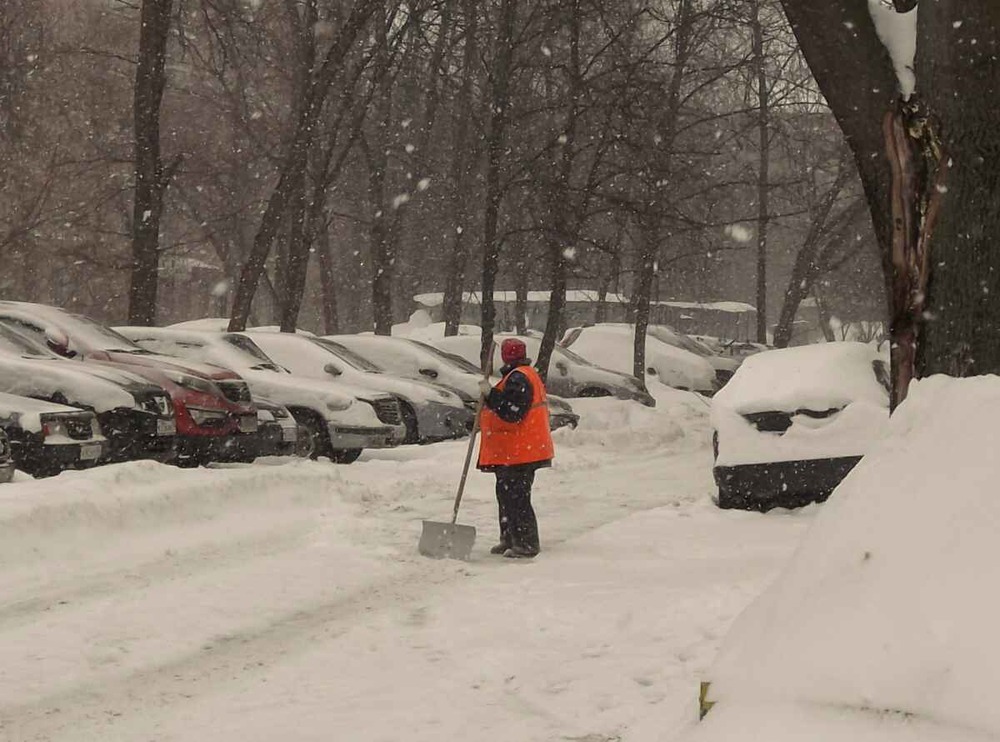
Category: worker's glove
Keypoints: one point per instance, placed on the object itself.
(485, 388)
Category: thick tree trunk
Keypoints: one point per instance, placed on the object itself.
(500, 100)
(563, 235)
(150, 179)
(640, 301)
(763, 171)
(461, 163)
(959, 79)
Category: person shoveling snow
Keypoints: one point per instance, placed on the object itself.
(516, 442)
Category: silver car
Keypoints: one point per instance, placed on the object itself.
(429, 412)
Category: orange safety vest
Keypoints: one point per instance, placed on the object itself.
(526, 442)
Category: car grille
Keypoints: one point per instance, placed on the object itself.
(235, 391)
(387, 410)
(79, 428)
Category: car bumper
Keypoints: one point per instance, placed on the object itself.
(38, 458)
(347, 437)
(138, 435)
(786, 484)
(440, 422)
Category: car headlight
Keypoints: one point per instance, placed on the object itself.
(339, 405)
(202, 416)
(193, 383)
(265, 416)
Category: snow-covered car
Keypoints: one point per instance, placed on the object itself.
(211, 405)
(416, 360)
(881, 628)
(135, 415)
(613, 346)
(569, 374)
(792, 423)
(430, 412)
(331, 422)
(725, 366)
(46, 438)
(6, 459)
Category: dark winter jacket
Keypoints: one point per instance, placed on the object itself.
(513, 403)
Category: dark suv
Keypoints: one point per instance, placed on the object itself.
(212, 405)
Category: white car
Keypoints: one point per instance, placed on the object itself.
(331, 421)
(792, 423)
(429, 413)
(725, 366)
(612, 345)
(413, 359)
(569, 374)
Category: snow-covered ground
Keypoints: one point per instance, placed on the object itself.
(286, 601)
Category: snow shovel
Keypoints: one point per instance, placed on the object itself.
(451, 540)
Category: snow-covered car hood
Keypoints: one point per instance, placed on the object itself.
(306, 358)
(80, 386)
(159, 362)
(814, 377)
(335, 403)
(27, 412)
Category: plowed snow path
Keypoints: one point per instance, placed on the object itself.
(286, 601)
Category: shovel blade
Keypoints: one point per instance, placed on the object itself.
(446, 540)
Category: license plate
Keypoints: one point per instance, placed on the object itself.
(166, 427)
(90, 451)
(289, 435)
(248, 424)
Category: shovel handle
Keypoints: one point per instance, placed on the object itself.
(487, 368)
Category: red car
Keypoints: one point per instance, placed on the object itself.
(213, 408)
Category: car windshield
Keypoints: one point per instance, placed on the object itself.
(454, 360)
(15, 344)
(559, 350)
(251, 354)
(95, 335)
(348, 355)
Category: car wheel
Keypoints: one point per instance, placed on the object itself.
(410, 421)
(345, 455)
(312, 441)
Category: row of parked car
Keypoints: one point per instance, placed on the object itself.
(75, 393)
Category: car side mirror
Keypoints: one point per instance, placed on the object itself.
(562, 368)
(332, 370)
(429, 373)
(651, 371)
(58, 342)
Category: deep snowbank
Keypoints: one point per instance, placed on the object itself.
(888, 605)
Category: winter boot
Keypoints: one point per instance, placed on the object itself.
(500, 548)
(520, 552)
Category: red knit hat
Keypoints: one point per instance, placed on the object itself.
(512, 349)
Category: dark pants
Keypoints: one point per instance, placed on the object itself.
(518, 526)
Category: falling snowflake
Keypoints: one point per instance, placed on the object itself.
(739, 233)
(569, 253)
(423, 184)
(399, 200)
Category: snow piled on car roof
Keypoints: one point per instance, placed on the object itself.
(815, 377)
(886, 610)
